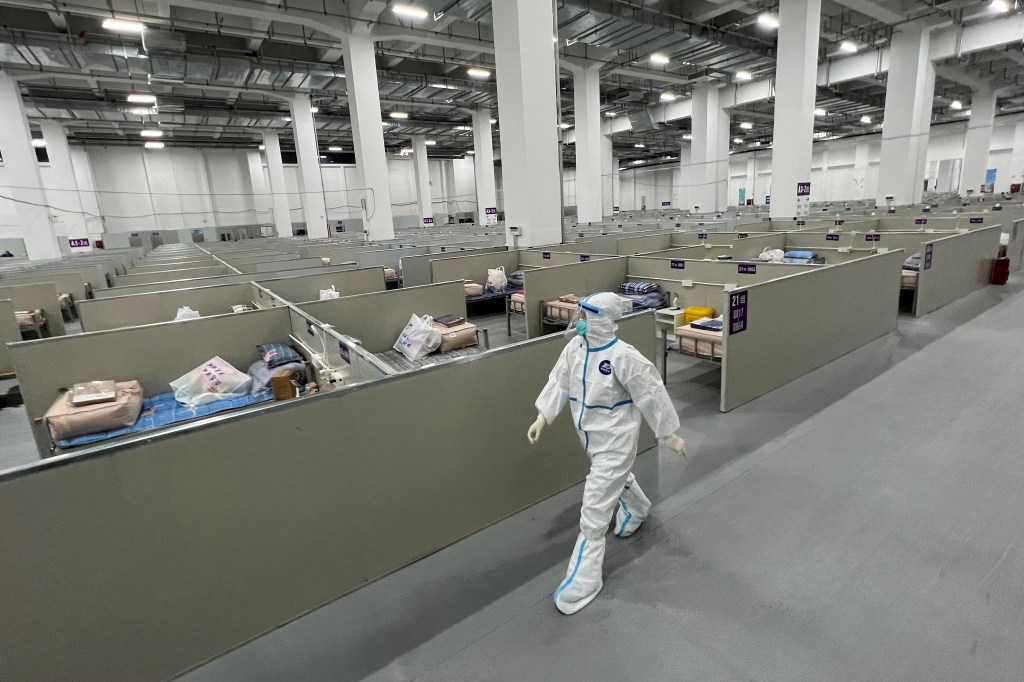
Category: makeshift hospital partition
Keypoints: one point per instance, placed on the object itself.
(37, 296)
(308, 287)
(66, 282)
(628, 246)
(473, 268)
(276, 265)
(547, 259)
(165, 553)
(779, 330)
(161, 306)
(172, 275)
(416, 269)
(581, 279)
(222, 279)
(389, 258)
(9, 333)
(954, 266)
(378, 319)
(147, 266)
(154, 355)
(93, 275)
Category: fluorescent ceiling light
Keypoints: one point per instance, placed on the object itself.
(322, 156)
(263, 147)
(768, 20)
(956, 104)
(399, 114)
(463, 127)
(154, 145)
(967, 112)
(999, 6)
(430, 143)
(737, 140)
(410, 11)
(334, 149)
(475, 72)
(865, 119)
(687, 136)
(141, 98)
(848, 46)
(38, 142)
(744, 75)
(565, 126)
(288, 119)
(444, 86)
(668, 97)
(471, 152)
(820, 112)
(747, 125)
(660, 59)
(610, 114)
(493, 121)
(314, 110)
(152, 133)
(640, 145)
(122, 26)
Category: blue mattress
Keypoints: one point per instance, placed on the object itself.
(163, 410)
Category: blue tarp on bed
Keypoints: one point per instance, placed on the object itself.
(163, 410)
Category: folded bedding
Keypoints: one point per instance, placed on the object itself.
(30, 319)
(803, 255)
(708, 324)
(639, 287)
(651, 301)
(163, 410)
(517, 279)
(913, 263)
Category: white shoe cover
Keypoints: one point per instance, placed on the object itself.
(583, 577)
(633, 510)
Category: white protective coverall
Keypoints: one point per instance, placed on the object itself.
(610, 386)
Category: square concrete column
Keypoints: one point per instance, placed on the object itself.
(795, 88)
(483, 168)
(368, 136)
(278, 189)
(860, 170)
(36, 228)
(314, 201)
(260, 193)
(62, 193)
(587, 114)
(707, 172)
(419, 151)
(609, 176)
(978, 140)
(531, 163)
(1017, 167)
(908, 109)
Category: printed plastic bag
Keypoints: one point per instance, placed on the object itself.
(419, 338)
(186, 313)
(326, 294)
(496, 279)
(772, 255)
(213, 380)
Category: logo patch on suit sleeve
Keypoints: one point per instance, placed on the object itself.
(605, 367)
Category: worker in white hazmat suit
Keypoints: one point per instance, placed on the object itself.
(610, 386)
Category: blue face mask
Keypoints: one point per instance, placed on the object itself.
(581, 327)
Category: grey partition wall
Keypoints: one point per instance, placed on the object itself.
(171, 275)
(223, 279)
(798, 323)
(416, 269)
(307, 288)
(955, 266)
(473, 268)
(547, 284)
(9, 333)
(37, 296)
(164, 553)
(66, 282)
(161, 306)
(153, 354)
(378, 319)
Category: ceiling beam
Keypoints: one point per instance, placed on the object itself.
(873, 9)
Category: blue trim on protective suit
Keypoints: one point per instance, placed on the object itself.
(604, 347)
(576, 568)
(629, 515)
(586, 361)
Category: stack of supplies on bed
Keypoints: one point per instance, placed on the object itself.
(562, 310)
(697, 312)
(276, 360)
(702, 337)
(94, 407)
(644, 295)
(473, 289)
(455, 332)
(913, 263)
(30, 319)
(802, 257)
(708, 324)
(390, 274)
(517, 280)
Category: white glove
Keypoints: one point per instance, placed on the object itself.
(533, 435)
(676, 443)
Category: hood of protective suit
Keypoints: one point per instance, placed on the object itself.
(603, 310)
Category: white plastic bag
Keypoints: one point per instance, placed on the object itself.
(326, 294)
(186, 313)
(496, 279)
(772, 255)
(213, 380)
(419, 338)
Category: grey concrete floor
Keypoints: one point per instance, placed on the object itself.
(861, 523)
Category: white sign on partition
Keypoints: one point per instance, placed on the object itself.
(803, 198)
(491, 215)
